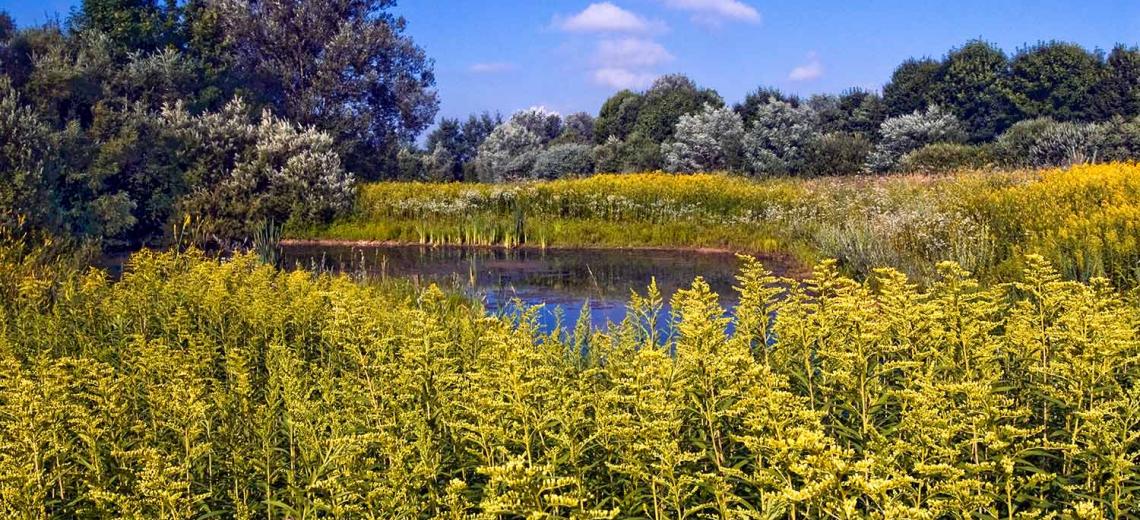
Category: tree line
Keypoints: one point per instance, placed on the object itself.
(1052, 103)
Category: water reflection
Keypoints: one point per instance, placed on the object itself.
(558, 280)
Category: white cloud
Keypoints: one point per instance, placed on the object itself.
(620, 78)
(715, 11)
(492, 67)
(631, 52)
(809, 71)
(628, 62)
(606, 17)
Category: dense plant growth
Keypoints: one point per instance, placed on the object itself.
(131, 116)
(196, 388)
(1085, 220)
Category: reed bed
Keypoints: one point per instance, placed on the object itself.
(1083, 220)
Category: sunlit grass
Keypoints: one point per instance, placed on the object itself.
(1082, 219)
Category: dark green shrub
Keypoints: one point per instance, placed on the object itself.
(947, 157)
(608, 156)
(1012, 149)
(1121, 140)
(838, 153)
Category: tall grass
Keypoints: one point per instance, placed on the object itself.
(196, 388)
(1084, 219)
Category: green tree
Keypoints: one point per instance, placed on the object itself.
(28, 168)
(1056, 80)
(756, 100)
(671, 97)
(1118, 93)
(855, 111)
(132, 25)
(346, 67)
(912, 86)
(65, 77)
(973, 84)
(446, 143)
(206, 46)
(475, 130)
(617, 116)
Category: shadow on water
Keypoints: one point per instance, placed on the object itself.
(557, 280)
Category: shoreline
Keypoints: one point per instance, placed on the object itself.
(335, 242)
(793, 266)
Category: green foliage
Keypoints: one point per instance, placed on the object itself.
(617, 116)
(1121, 140)
(779, 139)
(756, 100)
(947, 157)
(901, 135)
(345, 67)
(973, 85)
(132, 25)
(912, 86)
(1118, 93)
(1055, 80)
(855, 111)
(662, 106)
(709, 140)
(1067, 144)
(608, 156)
(199, 388)
(1013, 147)
(837, 154)
(563, 160)
(28, 166)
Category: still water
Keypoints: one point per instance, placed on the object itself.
(555, 280)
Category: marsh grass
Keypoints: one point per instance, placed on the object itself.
(1083, 219)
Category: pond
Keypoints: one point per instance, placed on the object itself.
(555, 279)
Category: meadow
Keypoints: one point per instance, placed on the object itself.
(1082, 219)
(200, 388)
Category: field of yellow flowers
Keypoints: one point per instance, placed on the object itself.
(1084, 219)
(201, 388)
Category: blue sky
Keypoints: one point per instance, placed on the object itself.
(569, 55)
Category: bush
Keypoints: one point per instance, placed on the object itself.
(903, 134)
(778, 141)
(510, 150)
(27, 151)
(640, 153)
(1121, 140)
(520, 166)
(706, 141)
(1066, 144)
(837, 153)
(1012, 149)
(1045, 143)
(608, 156)
(243, 173)
(293, 174)
(563, 160)
(442, 165)
(506, 143)
(947, 157)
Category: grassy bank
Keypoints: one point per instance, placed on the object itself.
(1085, 220)
(194, 388)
